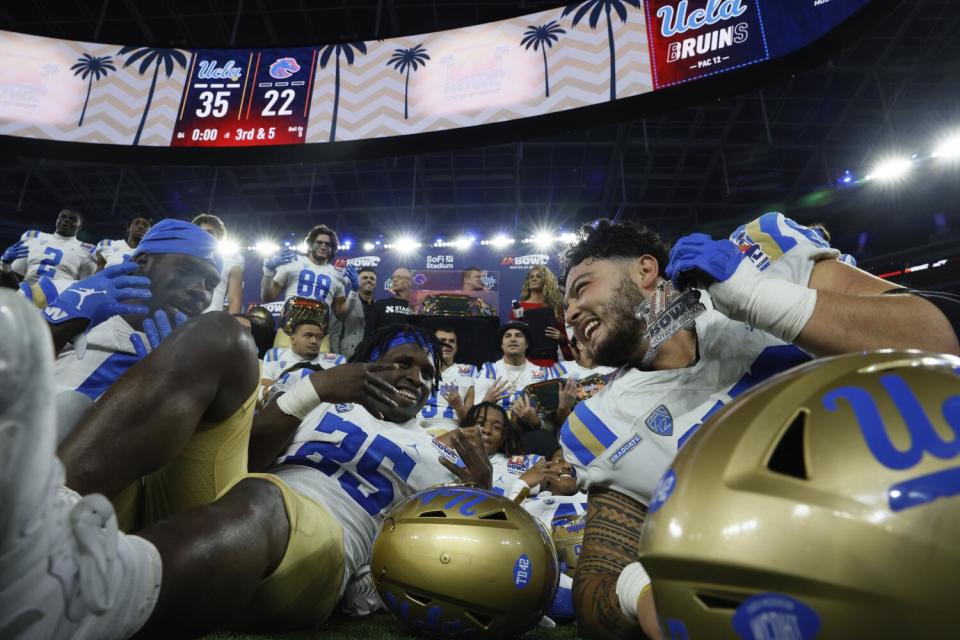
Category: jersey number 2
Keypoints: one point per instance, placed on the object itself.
(48, 266)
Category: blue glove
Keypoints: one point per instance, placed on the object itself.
(101, 296)
(717, 259)
(350, 273)
(157, 329)
(15, 251)
(270, 264)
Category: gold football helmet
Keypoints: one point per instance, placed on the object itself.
(456, 560)
(824, 503)
(568, 539)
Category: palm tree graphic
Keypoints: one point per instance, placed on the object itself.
(404, 61)
(542, 37)
(95, 67)
(346, 49)
(152, 56)
(595, 8)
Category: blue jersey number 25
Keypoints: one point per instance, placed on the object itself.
(330, 458)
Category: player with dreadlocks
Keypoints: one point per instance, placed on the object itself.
(276, 550)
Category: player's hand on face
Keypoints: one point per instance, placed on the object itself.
(451, 393)
(157, 329)
(700, 258)
(16, 251)
(525, 412)
(359, 383)
(534, 475)
(554, 334)
(476, 465)
(568, 394)
(103, 295)
(497, 391)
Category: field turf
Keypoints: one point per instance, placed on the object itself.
(378, 626)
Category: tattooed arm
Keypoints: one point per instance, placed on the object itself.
(611, 541)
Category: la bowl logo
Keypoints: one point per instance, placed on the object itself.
(523, 262)
(359, 261)
(283, 68)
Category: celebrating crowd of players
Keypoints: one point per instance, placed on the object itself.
(182, 483)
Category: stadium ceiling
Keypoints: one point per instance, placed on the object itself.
(782, 146)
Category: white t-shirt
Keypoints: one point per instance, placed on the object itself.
(518, 377)
(303, 278)
(114, 251)
(358, 467)
(437, 412)
(626, 436)
(220, 299)
(55, 256)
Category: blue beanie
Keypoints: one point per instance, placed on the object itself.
(177, 236)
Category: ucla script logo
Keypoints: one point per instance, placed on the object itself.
(676, 21)
(924, 439)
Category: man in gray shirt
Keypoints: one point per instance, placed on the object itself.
(347, 334)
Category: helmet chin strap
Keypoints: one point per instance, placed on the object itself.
(665, 314)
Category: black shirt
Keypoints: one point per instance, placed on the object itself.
(385, 312)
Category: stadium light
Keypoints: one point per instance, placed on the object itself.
(228, 248)
(463, 242)
(266, 247)
(543, 239)
(500, 241)
(368, 246)
(404, 245)
(949, 149)
(302, 247)
(891, 170)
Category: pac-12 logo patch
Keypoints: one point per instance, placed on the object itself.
(283, 68)
(660, 421)
(343, 407)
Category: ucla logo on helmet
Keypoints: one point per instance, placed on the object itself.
(343, 407)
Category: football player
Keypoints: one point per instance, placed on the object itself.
(180, 265)
(228, 295)
(282, 367)
(111, 252)
(503, 381)
(771, 295)
(289, 274)
(58, 255)
(446, 406)
(267, 553)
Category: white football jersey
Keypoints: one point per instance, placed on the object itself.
(303, 278)
(507, 471)
(358, 467)
(219, 300)
(549, 508)
(489, 372)
(627, 435)
(56, 257)
(437, 412)
(114, 251)
(276, 361)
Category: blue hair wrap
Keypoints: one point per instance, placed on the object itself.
(399, 339)
(177, 236)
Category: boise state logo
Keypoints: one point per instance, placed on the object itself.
(283, 68)
(660, 421)
(343, 407)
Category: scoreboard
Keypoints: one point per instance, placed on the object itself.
(100, 93)
(246, 98)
